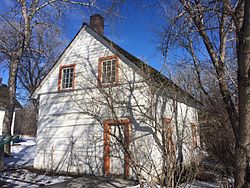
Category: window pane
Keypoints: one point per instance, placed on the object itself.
(109, 71)
(67, 77)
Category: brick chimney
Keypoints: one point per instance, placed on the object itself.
(97, 23)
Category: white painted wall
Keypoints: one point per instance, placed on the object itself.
(69, 136)
(2, 113)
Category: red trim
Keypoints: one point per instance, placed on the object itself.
(194, 135)
(127, 129)
(71, 42)
(106, 155)
(170, 146)
(60, 76)
(106, 137)
(100, 61)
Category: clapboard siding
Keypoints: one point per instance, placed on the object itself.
(86, 59)
(69, 134)
(87, 93)
(72, 131)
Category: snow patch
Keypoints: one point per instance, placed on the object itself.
(23, 153)
(15, 173)
(24, 178)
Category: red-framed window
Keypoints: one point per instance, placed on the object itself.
(169, 133)
(66, 80)
(194, 135)
(108, 70)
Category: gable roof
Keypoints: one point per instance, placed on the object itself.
(4, 98)
(173, 90)
(143, 68)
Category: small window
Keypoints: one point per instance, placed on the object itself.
(108, 70)
(66, 77)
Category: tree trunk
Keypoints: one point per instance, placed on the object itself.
(1, 158)
(11, 105)
(243, 142)
(15, 57)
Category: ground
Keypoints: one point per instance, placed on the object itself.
(19, 173)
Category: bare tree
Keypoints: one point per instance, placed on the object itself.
(161, 136)
(35, 63)
(222, 26)
(25, 121)
(30, 15)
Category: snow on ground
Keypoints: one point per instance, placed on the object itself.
(23, 153)
(198, 184)
(24, 178)
(194, 184)
(16, 173)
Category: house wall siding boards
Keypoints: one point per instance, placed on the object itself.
(83, 56)
(2, 113)
(58, 113)
(70, 139)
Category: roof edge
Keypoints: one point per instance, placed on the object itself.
(33, 95)
(116, 49)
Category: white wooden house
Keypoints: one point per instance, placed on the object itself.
(100, 108)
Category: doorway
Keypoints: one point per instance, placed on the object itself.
(116, 145)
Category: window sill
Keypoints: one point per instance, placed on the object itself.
(107, 85)
(66, 90)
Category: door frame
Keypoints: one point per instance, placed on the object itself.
(106, 138)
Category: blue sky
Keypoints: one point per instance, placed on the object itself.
(134, 30)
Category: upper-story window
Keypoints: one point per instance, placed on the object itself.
(108, 70)
(66, 77)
